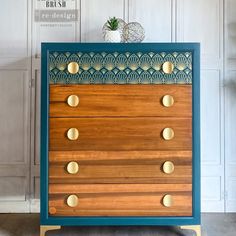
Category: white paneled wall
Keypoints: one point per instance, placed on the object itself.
(44, 32)
(14, 28)
(211, 22)
(15, 99)
(230, 108)
(155, 16)
(94, 14)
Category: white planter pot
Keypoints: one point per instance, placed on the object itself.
(113, 36)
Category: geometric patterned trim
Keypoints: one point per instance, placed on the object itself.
(120, 68)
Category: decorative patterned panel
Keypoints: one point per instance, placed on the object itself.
(120, 68)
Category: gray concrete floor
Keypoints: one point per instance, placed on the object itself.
(28, 225)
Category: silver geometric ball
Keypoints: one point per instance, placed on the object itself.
(134, 32)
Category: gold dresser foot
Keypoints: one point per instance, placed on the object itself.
(45, 228)
(196, 228)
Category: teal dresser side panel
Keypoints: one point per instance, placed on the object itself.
(120, 67)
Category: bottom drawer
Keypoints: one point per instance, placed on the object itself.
(120, 199)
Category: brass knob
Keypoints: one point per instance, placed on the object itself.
(168, 67)
(52, 210)
(73, 134)
(167, 200)
(73, 100)
(168, 134)
(72, 201)
(168, 101)
(72, 167)
(168, 167)
(73, 67)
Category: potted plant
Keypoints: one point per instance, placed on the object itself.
(112, 32)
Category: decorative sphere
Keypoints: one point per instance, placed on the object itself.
(134, 32)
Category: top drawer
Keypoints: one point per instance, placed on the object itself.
(98, 66)
(120, 100)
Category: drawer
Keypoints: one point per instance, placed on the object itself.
(120, 100)
(120, 67)
(120, 134)
(120, 199)
(120, 167)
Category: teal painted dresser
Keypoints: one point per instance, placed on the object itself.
(120, 135)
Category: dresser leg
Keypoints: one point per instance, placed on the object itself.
(45, 228)
(196, 228)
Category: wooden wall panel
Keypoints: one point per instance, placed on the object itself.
(14, 145)
(15, 70)
(13, 29)
(155, 16)
(54, 31)
(230, 31)
(201, 22)
(210, 117)
(12, 189)
(212, 198)
(13, 119)
(230, 108)
(94, 14)
(211, 159)
(230, 137)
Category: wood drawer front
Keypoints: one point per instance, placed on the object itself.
(120, 134)
(120, 100)
(103, 156)
(120, 167)
(120, 199)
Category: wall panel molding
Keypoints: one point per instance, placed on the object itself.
(54, 31)
(14, 29)
(202, 21)
(159, 14)
(95, 13)
(230, 137)
(15, 136)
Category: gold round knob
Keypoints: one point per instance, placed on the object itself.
(168, 167)
(168, 67)
(73, 100)
(72, 201)
(52, 210)
(73, 67)
(167, 200)
(168, 134)
(73, 134)
(168, 101)
(72, 167)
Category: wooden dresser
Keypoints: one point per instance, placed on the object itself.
(120, 135)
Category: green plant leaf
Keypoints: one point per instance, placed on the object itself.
(113, 23)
